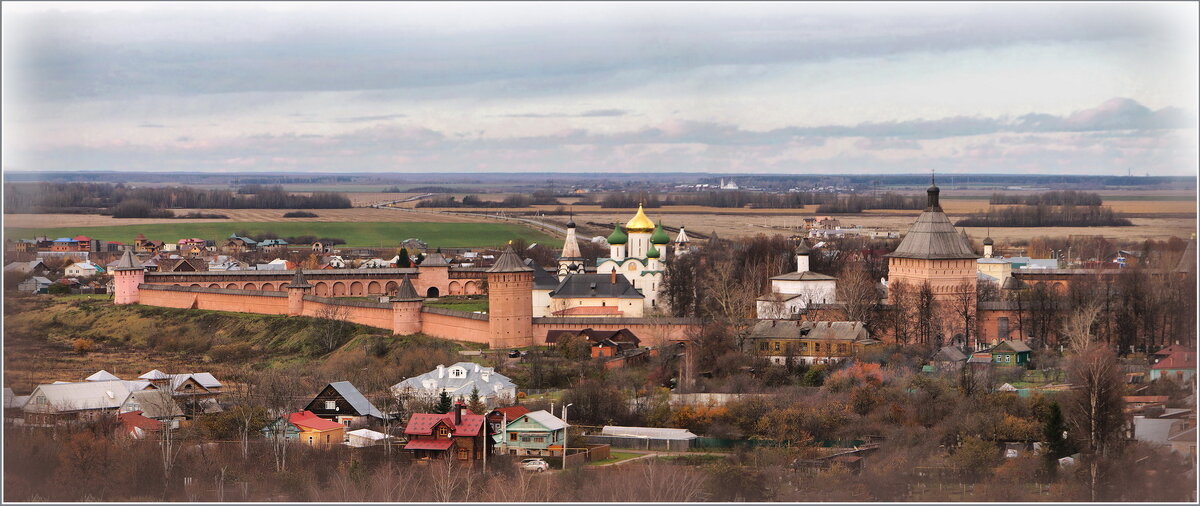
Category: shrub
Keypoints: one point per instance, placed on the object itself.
(210, 216)
(299, 214)
(230, 351)
(83, 345)
(58, 289)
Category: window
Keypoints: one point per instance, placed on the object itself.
(346, 422)
(443, 432)
(776, 345)
(816, 347)
(762, 346)
(512, 436)
(803, 347)
(841, 348)
(330, 405)
(463, 454)
(632, 267)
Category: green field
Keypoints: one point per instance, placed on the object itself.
(366, 234)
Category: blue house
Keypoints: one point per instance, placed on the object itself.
(534, 433)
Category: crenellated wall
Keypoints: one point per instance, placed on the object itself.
(371, 314)
(216, 299)
(411, 316)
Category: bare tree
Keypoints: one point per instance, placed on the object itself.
(963, 307)
(335, 327)
(858, 296)
(275, 390)
(1094, 407)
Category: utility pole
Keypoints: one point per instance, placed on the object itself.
(566, 434)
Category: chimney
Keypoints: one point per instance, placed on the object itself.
(458, 409)
(441, 371)
(612, 277)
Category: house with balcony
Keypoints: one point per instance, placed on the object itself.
(342, 403)
(459, 435)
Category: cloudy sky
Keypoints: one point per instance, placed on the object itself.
(584, 87)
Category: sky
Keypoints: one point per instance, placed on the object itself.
(773, 87)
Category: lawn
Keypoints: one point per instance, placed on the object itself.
(356, 234)
(474, 303)
(614, 457)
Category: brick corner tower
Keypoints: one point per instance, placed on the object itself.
(510, 301)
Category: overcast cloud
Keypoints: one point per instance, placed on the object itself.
(769, 87)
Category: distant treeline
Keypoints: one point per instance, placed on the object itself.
(828, 202)
(859, 203)
(537, 198)
(80, 197)
(424, 189)
(1054, 198)
(1047, 216)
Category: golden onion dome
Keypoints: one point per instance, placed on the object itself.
(639, 223)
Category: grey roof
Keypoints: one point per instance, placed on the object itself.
(406, 292)
(102, 375)
(206, 380)
(647, 432)
(86, 394)
(460, 387)
(545, 419)
(357, 400)
(509, 262)
(128, 262)
(802, 248)
(933, 237)
(1014, 345)
(42, 280)
(298, 280)
(803, 276)
(796, 329)
(152, 404)
(434, 260)
(951, 353)
(155, 374)
(1012, 283)
(576, 286)
(1154, 430)
(1187, 263)
(542, 280)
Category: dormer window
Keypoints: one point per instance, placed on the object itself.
(457, 373)
(443, 432)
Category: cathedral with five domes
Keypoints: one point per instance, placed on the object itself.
(626, 283)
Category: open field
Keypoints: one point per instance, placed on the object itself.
(356, 234)
(749, 224)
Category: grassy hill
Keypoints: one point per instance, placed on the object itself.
(41, 335)
(356, 234)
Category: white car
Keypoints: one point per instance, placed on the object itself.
(538, 465)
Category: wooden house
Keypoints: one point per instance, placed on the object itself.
(460, 435)
(342, 403)
(305, 427)
(605, 343)
(1011, 354)
(537, 433)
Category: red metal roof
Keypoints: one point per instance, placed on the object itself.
(513, 412)
(1173, 349)
(135, 419)
(429, 444)
(423, 423)
(1177, 360)
(307, 420)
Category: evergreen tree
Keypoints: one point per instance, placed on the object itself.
(404, 261)
(475, 404)
(444, 404)
(1057, 444)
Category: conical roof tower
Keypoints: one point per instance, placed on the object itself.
(933, 237)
